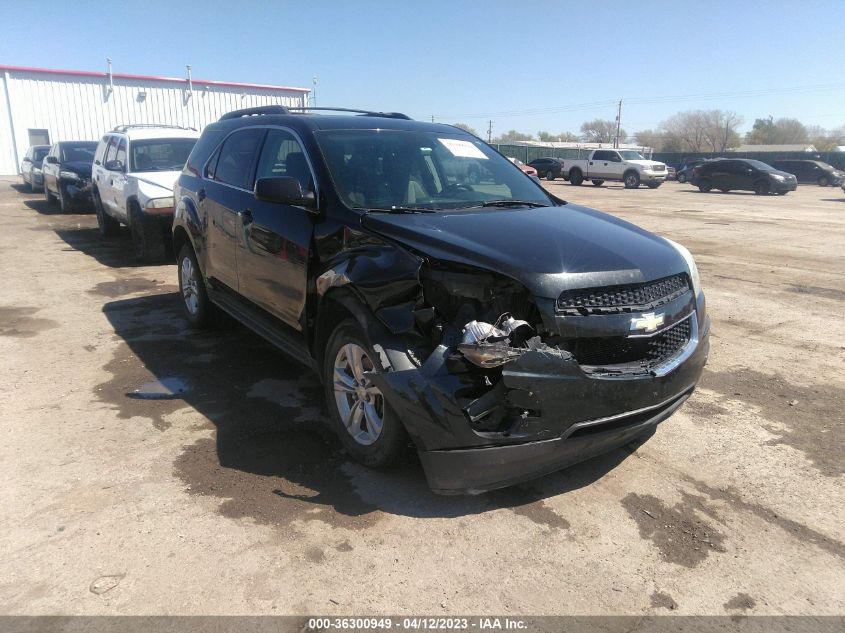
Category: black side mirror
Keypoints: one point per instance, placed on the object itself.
(114, 165)
(284, 190)
(27, 159)
(52, 160)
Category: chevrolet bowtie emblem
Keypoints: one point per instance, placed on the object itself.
(647, 323)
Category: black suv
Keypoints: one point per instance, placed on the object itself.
(811, 171)
(743, 174)
(66, 174)
(548, 168)
(504, 332)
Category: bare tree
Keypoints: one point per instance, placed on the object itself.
(649, 138)
(703, 130)
(602, 131)
(549, 137)
(466, 128)
(511, 136)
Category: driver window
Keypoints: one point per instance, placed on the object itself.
(121, 152)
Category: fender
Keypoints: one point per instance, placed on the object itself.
(187, 226)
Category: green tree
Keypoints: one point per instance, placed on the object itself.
(779, 132)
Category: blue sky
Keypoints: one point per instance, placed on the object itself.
(527, 65)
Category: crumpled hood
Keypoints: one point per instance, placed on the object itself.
(80, 167)
(547, 249)
(153, 182)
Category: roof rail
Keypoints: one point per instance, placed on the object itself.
(269, 109)
(386, 115)
(123, 128)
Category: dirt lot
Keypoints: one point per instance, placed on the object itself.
(232, 498)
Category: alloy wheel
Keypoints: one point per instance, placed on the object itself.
(359, 402)
(189, 283)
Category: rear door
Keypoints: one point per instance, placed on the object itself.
(273, 259)
(601, 164)
(225, 194)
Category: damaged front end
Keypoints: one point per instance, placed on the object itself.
(506, 386)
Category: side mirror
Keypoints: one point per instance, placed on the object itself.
(27, 159)
(284, 190)
(52, 160)
(114, 165)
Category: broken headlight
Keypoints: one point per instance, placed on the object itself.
(695, 280)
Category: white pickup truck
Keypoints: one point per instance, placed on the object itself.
(626, 165)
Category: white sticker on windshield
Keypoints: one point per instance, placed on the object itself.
(462, 149)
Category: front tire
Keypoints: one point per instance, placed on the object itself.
(147, 236)
(631, 180)
(823, 181)
(550, 175)
(704, 185)
(48, 197)
(64, 204)
(682, 178)
(195, 303)
(368, 428)
(654, 185)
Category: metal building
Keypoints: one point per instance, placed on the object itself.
(41, 106)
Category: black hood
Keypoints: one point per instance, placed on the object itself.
(547, 249)
(78, 166)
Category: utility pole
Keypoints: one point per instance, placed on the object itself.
(489, 130)
(314, 91)
(618, 125)
(432, 118)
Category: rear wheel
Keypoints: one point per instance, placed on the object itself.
(704, 185)
(631, 180)
(682, 177)
(366, 425)
(824, 181)
(575, 177)
(147, 236)
(782, 193)
(761, 188)
(598, 183)
(550, 175)
(106, 224)
(195, 304)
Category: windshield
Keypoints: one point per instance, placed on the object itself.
(760, 165)
(629, 154)
(393, 169)
(39, 153)
(161, 154)
(82, 152)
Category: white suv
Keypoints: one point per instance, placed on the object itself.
(134, 169)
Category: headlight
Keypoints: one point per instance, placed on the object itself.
(159, 204)
(778, 177)
(693, 269)
(70, 175)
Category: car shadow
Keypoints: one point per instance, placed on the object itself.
(273, 456)
(114, 252)
(22, 188)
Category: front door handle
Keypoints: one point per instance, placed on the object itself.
(246, 216)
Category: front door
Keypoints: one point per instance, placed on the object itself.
(273, 256)
(225, 195)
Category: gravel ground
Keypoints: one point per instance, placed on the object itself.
(232, 498)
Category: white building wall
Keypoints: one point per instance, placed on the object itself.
(75, 106)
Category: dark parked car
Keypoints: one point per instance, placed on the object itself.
(743, 174)
(67, 173)
(548, 168)
(684, 172)
(811, 171)
(502, 331)
(31, 166)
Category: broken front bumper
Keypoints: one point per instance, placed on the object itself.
(567, 414)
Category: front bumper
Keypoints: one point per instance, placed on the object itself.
(78, 190)
(651, 176)
(569, 414)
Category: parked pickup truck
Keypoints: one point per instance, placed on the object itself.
(626, 165)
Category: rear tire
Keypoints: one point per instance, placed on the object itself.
(576, 177)
(147, 236)
(823, 181)
(550, 175)
(107, 225)
(704, 185)
(195, 303)
(631, 180)
(598, 183)
(369, 429)
(761, 188)
(682, 178)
